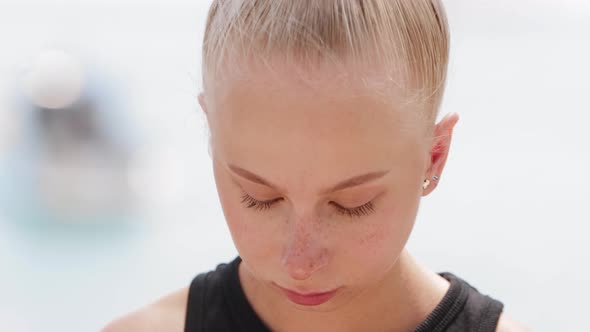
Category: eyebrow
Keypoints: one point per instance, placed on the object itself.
(348, 183)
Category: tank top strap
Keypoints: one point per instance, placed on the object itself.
(195, 304)
(463, 308)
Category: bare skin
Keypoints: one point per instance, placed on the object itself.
(282, 141)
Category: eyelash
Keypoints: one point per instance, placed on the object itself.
(363, 210)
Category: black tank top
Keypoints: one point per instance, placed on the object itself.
(217, 303)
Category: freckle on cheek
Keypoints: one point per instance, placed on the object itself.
(372, 242)
(371, 238)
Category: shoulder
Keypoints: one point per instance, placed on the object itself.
(166, 314)
(508, 324)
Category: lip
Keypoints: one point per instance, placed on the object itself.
(308, 299)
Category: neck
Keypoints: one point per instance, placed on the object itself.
(399, 302)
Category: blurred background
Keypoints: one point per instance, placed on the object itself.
(107, 198)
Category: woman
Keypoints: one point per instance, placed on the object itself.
(323, 139)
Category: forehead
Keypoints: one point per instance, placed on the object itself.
(306, 124)
(291, 94)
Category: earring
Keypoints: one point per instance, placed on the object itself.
(427, 182)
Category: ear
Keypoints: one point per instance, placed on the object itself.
(206, 112)
(202, 103)
(441, 144)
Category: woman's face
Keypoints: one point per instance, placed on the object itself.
(319, 186)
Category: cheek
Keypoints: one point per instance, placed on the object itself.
(250, 231)
(380, 242)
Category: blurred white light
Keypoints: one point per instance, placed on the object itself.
(54, 80)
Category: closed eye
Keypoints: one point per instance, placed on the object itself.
(256, 204)
(358, 211)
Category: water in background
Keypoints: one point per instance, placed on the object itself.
(107, 199)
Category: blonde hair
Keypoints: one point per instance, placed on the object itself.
(407, 41)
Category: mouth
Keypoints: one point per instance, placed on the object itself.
(310, 298)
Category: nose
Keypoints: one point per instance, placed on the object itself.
(304, 253)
